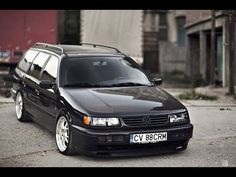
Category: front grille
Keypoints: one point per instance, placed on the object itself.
(144, 121)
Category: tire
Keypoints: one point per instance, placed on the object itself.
(64, 138)
(21, 114)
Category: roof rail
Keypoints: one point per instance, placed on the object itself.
(49, 46)
(104, 46)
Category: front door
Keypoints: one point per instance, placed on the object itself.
(48, 97)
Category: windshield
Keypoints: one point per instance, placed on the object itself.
(101, 71)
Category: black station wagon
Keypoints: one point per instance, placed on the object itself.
(98, 101)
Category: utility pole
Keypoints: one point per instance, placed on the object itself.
(213, 53)
(231, 51)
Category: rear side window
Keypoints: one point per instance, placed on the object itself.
(25, 63)
(50, 70)
(38, 64)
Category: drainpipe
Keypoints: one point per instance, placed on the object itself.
(231, 50)
(213, 56)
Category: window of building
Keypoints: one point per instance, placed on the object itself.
(38, 64)
(163, 34)
(180, 21)
(162, 19)
(71, 27)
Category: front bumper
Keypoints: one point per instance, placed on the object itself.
(117, 143)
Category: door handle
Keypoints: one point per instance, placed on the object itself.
(23, 82)
(37, 91)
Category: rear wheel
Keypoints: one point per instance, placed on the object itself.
(64, 136)
(21, 114)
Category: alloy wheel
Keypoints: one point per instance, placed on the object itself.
(19, 105)
(62, 134)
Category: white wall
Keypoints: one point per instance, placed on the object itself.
(118, 28)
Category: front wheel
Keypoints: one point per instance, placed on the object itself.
(64, 136)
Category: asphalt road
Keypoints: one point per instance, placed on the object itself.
(213, 144)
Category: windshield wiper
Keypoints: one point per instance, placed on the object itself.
(128, 84)
(85, 84)
(82, 84)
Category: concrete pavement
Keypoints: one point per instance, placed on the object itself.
(213, 143)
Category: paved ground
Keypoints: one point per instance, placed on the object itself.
(213, 143)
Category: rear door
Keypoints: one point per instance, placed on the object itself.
(32, 82)
(21, 75)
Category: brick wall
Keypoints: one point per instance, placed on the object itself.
(195, 15)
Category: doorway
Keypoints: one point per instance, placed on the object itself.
(219, 60)
(69, 27)
(218, 57)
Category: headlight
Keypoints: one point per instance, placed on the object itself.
(94, 121)
(177, 118)
(99, 121)
(113, 121)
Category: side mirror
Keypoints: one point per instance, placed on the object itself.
(157, 81)
(46, 84)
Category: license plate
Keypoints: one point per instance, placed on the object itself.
(148, 137)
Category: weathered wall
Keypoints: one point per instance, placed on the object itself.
(118, 28)
(196, 15)
(171, 57)
(150, 22)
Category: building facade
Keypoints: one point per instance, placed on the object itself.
(172, 40)
(164, 45)
(198, 43)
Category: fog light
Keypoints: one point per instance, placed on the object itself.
(101, 139)
(108, 139)
(179, 147)
(118, 138)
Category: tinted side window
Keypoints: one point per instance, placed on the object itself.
(25, 63)
(50, 70)
(37, 65)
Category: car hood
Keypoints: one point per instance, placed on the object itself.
(120, 100)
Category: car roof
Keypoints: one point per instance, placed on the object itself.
(81, 49)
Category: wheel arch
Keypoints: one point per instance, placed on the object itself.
(64, 112)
